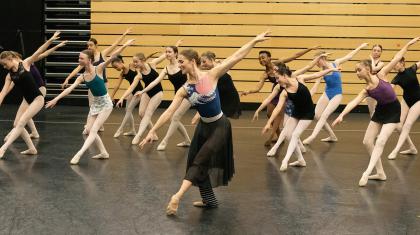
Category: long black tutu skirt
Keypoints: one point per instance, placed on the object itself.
(210, 157)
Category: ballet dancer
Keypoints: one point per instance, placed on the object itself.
(101, 106)
(377, 64)
(210, 159)
(303, 109)
(387, 112)
(331, 98)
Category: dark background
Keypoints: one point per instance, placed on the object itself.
(27, 17)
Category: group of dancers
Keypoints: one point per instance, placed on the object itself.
(203, 82)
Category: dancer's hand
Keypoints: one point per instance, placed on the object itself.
(148, 139)
(244, 93)
(179, 42)
(63, 43)
(128, 31)
(266, 128)
(64, 84)
(55, 36)
(50, 103)
(119, 103)
(338, 120)
(414, 40)
(262, 36)
(255, 117)
(364, 45)
(139, 93)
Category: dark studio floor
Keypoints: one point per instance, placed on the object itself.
(128, 193)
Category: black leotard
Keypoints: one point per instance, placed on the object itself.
(302, 100)
(149, 78)
(177, 79)
(408, 81)
(129, 76)
(26, 83)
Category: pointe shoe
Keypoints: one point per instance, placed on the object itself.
(136, 140)
(272, 152)
(130, 133)
(29, 152)
(283, 167)
(117, 134)
(363, 181)
(184, 144)
(101, 156)
(102, 129)
(330, 139)
(409, 152)
(75, 160)
(161, 146)
(155, 138)
(34, 136)
(378, 176)
(392, 156)
(302, 149)
(307, 141)
(172, 206)
(298, 163)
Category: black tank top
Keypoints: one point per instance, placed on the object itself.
(129, 76)
(302, 100)
(149, 78)
(177, 79)
(26, 83)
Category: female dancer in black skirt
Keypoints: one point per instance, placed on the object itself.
(268, 75)
(303, 109)
(387, 112)
(210, 159)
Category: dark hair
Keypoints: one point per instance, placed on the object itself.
(118, 59)
(283, 69)
(93, 40)
(209, 55)
(191, 54)
(144, 58)
(265, 52)
(174, 48)
(377, 45)
(367, 63)
(402, 60)
(90, 54)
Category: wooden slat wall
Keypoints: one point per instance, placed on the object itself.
(223, 26)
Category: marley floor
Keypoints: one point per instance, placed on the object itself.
(128, 193)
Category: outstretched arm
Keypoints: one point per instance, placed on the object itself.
(64, 93)
(130, 89)
(117, 87)
(266, 101)
(315, 87)
(350, 55)
(162, 57)
(166, 116)
(350, 106)
(34, 57)
(297, 55)
(51, 50)
(276, 111)
(308, 77)
(229, 62)
(258, 87)
(71, 75)
(102, 66)
(155, 82)
(7, 87)
(387, 68)
(310, 65)
(110, 49)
